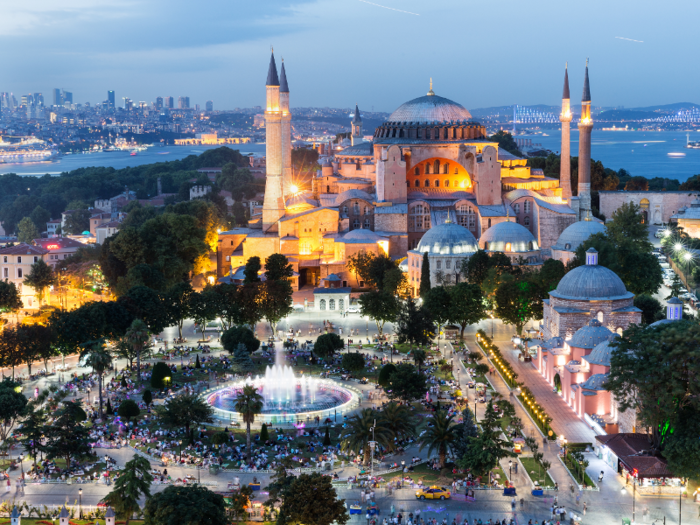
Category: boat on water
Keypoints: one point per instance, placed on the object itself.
(133, 153)
(690, 144)
(614, 128)
(25, 149)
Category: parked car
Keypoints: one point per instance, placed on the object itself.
(433, 492)
(353, 309)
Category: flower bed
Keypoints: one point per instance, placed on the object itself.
(510, 377)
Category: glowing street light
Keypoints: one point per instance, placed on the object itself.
(678, 246)
(294, 189)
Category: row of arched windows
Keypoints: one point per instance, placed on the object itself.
(436, 183)
(331, 304)
(434, 168)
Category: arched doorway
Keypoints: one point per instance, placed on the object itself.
(644, 209)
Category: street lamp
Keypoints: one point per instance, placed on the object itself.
(510, 469)
(372, 444)
(21, 458)
(80, 502)
(180, 446)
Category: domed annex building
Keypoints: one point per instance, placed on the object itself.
(431, 162)
(573, 236)
(446, 245)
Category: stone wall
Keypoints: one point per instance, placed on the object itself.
(661, 206)
(391, 222)
(580, 312)
(550, 225)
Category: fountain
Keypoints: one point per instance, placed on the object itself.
(286, 398)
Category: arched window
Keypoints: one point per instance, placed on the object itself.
(427, 169)
(322, 304)
(601, 316)
(447, 184)
(446, 169)
(427, 183)
(356, 208)
(489, 223)
(456, 171)
(508, 247)
(466, 217)
(355, 224)
(358, 166)
(419, 218)
(328, 189)
(619, 330)
(345, 211)
(367, 210)
(341, 304)
(516, 208)
(527, 221)
(438, 265)
(331, 304)
(416, 171)
(367, 224)
(526, 206)
(436, 167)
(401, 133)
(437, 183)
(417, 184)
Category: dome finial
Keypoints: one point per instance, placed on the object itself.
(431, 93)
(588, 216)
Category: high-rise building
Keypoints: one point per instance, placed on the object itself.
(38, 99)
(196, 107)
(169, 102)
(127, 103)
(159, 103)
(210, 105)
(67, 97)
(111, 100)
(183, 102)
(57, 97)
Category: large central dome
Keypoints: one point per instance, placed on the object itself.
(429, 109)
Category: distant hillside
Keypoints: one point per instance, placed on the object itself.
(620, 115)
(669, 108)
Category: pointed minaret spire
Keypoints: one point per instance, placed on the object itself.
(565, 119)
(272, 78)
(566, 83)
(586, 87)
(357, 117)
(431, 92)
(284, 88)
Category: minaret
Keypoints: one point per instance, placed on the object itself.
(356, 136)
(286, 130)
(273, 205)
(585, 126)
(565, 119)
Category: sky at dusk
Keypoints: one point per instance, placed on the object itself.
(339, 52)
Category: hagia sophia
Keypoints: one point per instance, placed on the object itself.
(430, 181)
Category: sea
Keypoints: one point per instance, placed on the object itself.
(646, 153)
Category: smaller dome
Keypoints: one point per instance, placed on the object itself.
(352, 194)
(448, 238)
(601, 353)
(360, 236)
(576, 234)
(508, 237)
(590, 335)
(595, 382)
(591, 282)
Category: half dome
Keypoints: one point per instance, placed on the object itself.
(508, 237)
(576, 234)
(590, 335)
(430, 109)
(447, 239)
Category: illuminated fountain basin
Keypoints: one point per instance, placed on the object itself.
(287, 398)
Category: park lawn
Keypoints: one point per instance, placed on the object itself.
(536, 472)
(588, 481)
(421, 472)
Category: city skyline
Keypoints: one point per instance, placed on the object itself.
(168, 52)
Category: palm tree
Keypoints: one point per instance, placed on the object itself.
(358, 433)
(249, 403)
(441, 436)
(99, 359)
(137, 335)
(398, 420)
(185, 410)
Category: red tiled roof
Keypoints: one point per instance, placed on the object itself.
(630, 449)
(23, 249)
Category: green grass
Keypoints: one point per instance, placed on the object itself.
(421, 472)
(539, 473)
(575, 473)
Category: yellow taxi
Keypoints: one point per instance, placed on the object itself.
(433, 492)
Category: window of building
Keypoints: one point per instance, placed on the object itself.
(19, 273)
(19, 259)
(417, 184)
(448, 264)
(456, 171)
(6, 273)
(508, 247)
(527, 221)
(356, 208)
(601, 316)
(355, 224)
(466, 217)
(436, 167)
(331, 304)
(367, 210)
(447, 184)
(345, 210)
(36, 259)
(416, 171)
(437, 183)
(367, 225)
(419, 218)
(526, 206)
(4, 259)
(322, 304)
(446, 169)
(517, 220)
(341, 304)
(438, 265)
(228, 258)
(516, 208)
(427, 183)
(489, 223)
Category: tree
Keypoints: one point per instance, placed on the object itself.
(128, 409)
(651, 308)
(385, 374)
(354, 362)
(463, 432)
(380, 306)
(138, 338)
(637, 184)
(359, 264)
(437, 302)
(414, 324)
(203, 307)
(77, 222)
(237, 335)
(277, 268)
(26, 231)
(475, 267)
(241, 359)
(654, 371)
(379, 266)
(312, 500)
(12, 406)
(177, 299)
(34, 342)
(407, 383)
(147, 397)
(675, 288)
(275, 301)
(187, 505)
(240, 213)
(149, 306)
(10, 349)
(419, 357)
(327, 345)
(519, 301)
(252, 270)
(441, 436)
(197, 364)
(98, 358)
(66, 437)
(40, 277)
(627, 225)
(396, 282)
(10, 300)
(249, 403)
(549, 275)
(399, 421)
(506, 141)
(185, 410)
(424, 276)
(40, 217)
(487, 449)
(466, 305)
(357, 433)
(264, 434)
(133, 483)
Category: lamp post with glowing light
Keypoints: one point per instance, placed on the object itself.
(80, 502)
(687, 256)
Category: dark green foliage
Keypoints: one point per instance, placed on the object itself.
(486, 449)
(406, 383)
(327, 344)
(651, 308)
(197, 364)
(519, 301)
(128, 409)
(133, 483)
(252, 268)
(378, 268)
(414, 324)
(123, 383)
(264, 434)
(381, 306)
(692, 184)
(506, 141)
(147, 397)
(190, 505)
(385, 374)
(40, 278)
(466, 305)
(463, 431)
(424, 276)
(437, 302)
(12, 406)
(10, 300)
(109, 410)
(158, 375)
(242, 360)
(440, 437)
(354, 362)
(550, 274)
(237, 335)
(312, 500)
(277, 268)
(185, 410)
(66, 437)
(327, 438)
